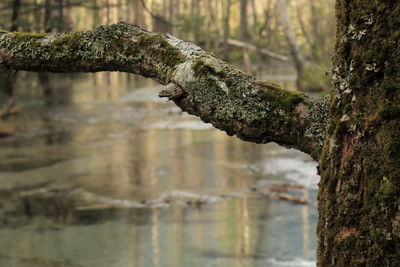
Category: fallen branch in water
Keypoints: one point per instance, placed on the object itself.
(281, 191)
(292, 198)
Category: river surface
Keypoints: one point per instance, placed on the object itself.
(101, 172)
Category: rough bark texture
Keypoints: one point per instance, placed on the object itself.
(359, 205)
(237, 103)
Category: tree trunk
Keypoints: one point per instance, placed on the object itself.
(298, 58)
(195, 12)
(244, 35)
(227, 18)
(15, 14)
(359, 205)
(255, 19)
(243, 26)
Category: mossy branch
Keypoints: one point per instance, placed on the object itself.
(205, 86)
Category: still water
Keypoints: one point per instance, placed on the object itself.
(101, 173)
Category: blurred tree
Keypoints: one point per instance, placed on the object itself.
(299, 61)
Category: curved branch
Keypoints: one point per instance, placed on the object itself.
(198, 82)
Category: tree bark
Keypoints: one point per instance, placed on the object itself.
(199, 83)
(359, 205)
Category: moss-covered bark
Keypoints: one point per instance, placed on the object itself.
(202, 85)
(359, 203)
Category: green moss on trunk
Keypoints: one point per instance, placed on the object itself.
(360, 165)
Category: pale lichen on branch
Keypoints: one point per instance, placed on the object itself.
(198, 82)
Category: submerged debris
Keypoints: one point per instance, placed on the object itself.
(281, 191)
(76, 204)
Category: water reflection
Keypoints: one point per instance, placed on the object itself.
(114, 177)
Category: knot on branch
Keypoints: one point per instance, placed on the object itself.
(172, 91)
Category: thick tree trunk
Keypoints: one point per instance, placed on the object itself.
(359, 205)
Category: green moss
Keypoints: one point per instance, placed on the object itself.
(157, 46)
(27, 36)
(67, 39)
(149, 40)
(279, 97)
(368, 200)
(200, 67)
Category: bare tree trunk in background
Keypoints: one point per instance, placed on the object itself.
(210, 22)
(213, 38)
(68, 21)
(59, 23)
(216, 6)
(314, 21)
(298, 58)
(243, 27)
(245, 36)
(310, 40)
(107, 7)
(37, 27)
(171, 15)
(47, 16)
(164, 9)
(195, 12)
(137, 11)
(177, 15)
(267, 24)
(15, 14)
(227, 17)
(255, 19)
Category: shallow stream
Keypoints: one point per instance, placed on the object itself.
(103, 173)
